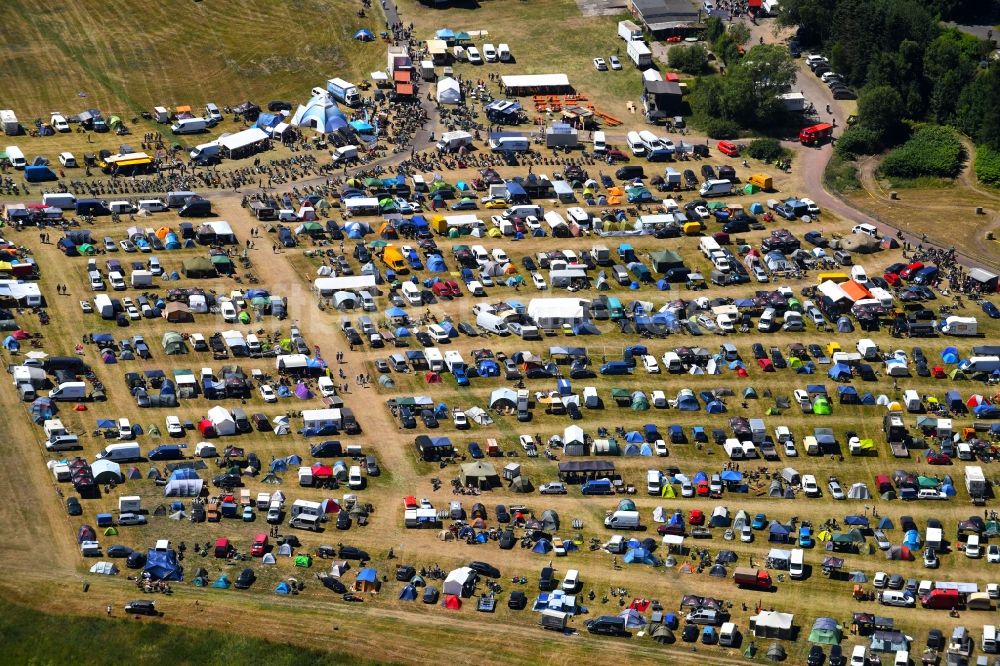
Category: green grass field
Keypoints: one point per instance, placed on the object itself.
(130, 55)
(145, 641)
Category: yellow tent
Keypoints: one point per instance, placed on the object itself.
(867, 445)
(668, 491)
(832, 348)
(895, 407)
(824, 535)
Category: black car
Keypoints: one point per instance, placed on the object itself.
(427, 416)
(142, 607)
(503, 516)
(529, 264)
(371, 466)
(276, 105)
(484, 569)
(327, 449)
(136, 560)
(690, 179)
(816, 351)
(844, 93)
(119, 550)
(227, 481)
(343, 520)
(352, 553)
(708, 172)
(758, 350)
(815, 656)
(73, 507)
(836, 656)
(405, 573)
(424, 339)
(245, 579)
(467, 329)
(690, 633)
(608, 625)
(517, 600)
(935, 639)
(406, 418)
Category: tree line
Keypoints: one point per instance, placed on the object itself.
(907, 66)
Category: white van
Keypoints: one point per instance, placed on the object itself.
(796, 567)
(972, 548)
(571, 581)
(204, 150)
(69, 391)
(117, 281)
(635, 144)
(412, 294)
(899, 598)
(866, 229)
(354, 479)
(503, 52)
(716, 188)
(63, 200)
(67, 159)
(509, 144)
(120, 452)
(152, 205)
(600, 142)
(654, 482)
(16, 157)
(189, 126)
(989, 639)
(120, 207)
(708, 245)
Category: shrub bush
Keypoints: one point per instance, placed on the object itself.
(766, 150)
(718, 128)
(689, 59)
(932, 151)
(988, 166)
(857, 140)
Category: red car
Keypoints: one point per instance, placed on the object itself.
(615, 155)
(909, 271)
(938, 458)
(441, 290)
(696, 517)
(259, 546)
(453, 288)
(892, 279)
(728, 148)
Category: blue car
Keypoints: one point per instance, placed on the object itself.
(475, 451)
(991, 310)
(759, 522)
(806, 538)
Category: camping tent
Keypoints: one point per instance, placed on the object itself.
(448, 91)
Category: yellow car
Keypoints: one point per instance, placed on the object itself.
(496, 203)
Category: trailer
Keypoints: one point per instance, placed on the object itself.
(639, 53)
(975, 483)
(11, 127)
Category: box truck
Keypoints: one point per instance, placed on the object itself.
(344, 91)
(639, 54)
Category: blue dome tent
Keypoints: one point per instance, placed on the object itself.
(364, 35)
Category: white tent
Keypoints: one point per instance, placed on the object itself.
(222, 420)
(459, 582)
(104, 568)
(572, 435)
(554, 312)
(320, 418)
(449, 91)
(183, 488)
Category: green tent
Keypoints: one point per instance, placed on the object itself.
(111, 531)
(928, 482)
(244, 317)
(825, 631)
(716, 205)
(303, 561)
(376, 244)
(750, 188)
(640, 402)
(821, 406)
(956, 374)
(387, 205)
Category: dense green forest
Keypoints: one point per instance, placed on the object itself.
(906, 65)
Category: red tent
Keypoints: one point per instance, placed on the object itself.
(410, 502)
(742, 372)
(432, 378)
(452, 602)
(321, 471)
(19, 334)
(330, 505)
(765, 364)
(206, 428)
